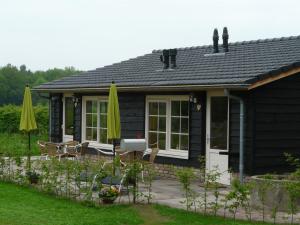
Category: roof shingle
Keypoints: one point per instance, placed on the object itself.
(245, 63)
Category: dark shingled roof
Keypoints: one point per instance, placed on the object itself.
(245, 63)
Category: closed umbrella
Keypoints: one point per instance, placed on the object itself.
(27, 122)
(113, 116)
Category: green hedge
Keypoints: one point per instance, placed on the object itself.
(10, 118)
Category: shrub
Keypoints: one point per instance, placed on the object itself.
(10, 118)
(185, 176)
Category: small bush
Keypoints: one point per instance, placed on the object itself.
(10, 118)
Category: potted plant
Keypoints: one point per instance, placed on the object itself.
(33, 177)
(108, 194)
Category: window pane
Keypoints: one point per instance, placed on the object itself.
(162, 108)
(94, 116)
(103, 136)
(175, 124)
(94, 130)
(89, 122)
(184, 108)
(218, 129)
(162, 141)
(94, 109)
(103, 107)
(162, 124)
(88, 106)
(184, 125)
(175, 108)
(175, 141)
(89, 134)
(69, 116)
(184, 142)
(153, 123)
(103, 121)
(153, 108)
(152, 139)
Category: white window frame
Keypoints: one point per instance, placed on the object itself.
(65, 136)
(94, 144)
(173, 153)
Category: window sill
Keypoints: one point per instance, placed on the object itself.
(171, 154)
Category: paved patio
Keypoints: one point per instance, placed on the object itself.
(168, 192)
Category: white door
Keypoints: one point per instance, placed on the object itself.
(217, 134)
(68, 118)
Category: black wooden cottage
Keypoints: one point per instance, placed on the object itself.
(178, 98)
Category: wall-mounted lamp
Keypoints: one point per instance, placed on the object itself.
(195, 101)
(75, 100)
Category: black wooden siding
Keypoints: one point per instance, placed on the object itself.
(78, 119)
(132, 113)
(272, 126)
(277, 124)
(56, 118)
(132, 110)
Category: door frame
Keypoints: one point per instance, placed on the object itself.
(212, 93)
(65, 136)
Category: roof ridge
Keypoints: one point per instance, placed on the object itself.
(122, 61)
(236, 43)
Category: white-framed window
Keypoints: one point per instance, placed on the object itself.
(94, 121)
(167, 125)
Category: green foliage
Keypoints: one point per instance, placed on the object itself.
(17, 144)
(293, 190)
(263, 187)
(295, 162)
(238, 197)
(13, 81)
(10, 118)
(292, 186)
(212, 178)
(185, 176)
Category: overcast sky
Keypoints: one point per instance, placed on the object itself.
(88, 34)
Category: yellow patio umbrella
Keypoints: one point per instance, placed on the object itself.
(113, 116)
(27, 122)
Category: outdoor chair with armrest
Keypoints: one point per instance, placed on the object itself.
(53, 150)
(71, 143)
(77, 150)
(42, 147)
(153, 154)
(125, 159)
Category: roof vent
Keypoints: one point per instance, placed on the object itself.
(167, 56)
(216, 40)
(225, 37)
(164, 58)
(173, 54)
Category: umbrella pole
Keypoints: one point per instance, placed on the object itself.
(114, 153)
(28, 154)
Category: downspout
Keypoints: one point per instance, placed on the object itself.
(242, 122)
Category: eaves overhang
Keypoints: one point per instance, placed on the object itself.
(145, 88)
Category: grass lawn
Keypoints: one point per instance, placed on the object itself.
(25, 206)
(17, 143)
